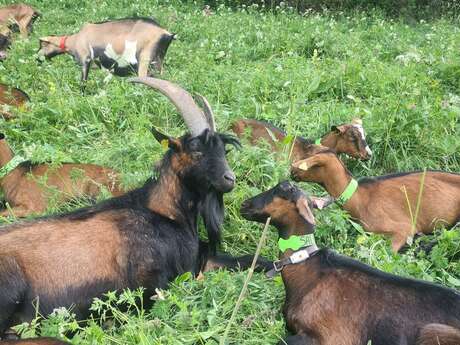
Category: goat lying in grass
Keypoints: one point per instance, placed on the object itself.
(122, 46)
(332, 299)
(381, 204)
(19, 15)
(28, 188)
(146, 237)
(348, 138)
(11, 97)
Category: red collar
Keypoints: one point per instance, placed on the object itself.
(62, 43)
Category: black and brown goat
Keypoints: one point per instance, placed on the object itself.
(19, 15)
(332, 299)
(11, 97)
(122, 46)
(349, 139)
(35, 341)
(28, 188)
(146, 237)
(387, 204)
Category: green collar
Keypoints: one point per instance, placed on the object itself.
(11, 165)
(318, 141)
(296, 242)
(348, 192)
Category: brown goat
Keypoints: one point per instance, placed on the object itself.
(18, 14)
(28, 187)
(335, 300)
(122, 46)
(35, 341)
(380, 204)
(347, 138)
(11, 97)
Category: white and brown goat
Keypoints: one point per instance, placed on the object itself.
(28, 188)
(348, 139)
(387, 204)
(122, 46)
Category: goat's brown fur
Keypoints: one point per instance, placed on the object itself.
(11, 97)
(332, 299)
(29, 188)
(344, 139)
(20, 14)
(380, 204)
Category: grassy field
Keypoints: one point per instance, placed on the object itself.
(302, 72)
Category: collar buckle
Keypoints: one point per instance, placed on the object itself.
(278, 265)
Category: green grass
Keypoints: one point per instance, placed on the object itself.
(304, 73)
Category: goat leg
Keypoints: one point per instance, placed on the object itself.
(144, 62)
(86, 65)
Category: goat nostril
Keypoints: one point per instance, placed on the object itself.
(230, 177)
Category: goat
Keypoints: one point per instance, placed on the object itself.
(122, 46)
(146, 237)
(28, 188)
(332, 299)
(381, 203)
(18, 14)
(11, 97)
(349, 139)
(35, 341)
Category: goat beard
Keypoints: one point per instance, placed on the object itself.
(212, 212)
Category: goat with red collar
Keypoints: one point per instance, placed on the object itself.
(335, 300)
(122, 46)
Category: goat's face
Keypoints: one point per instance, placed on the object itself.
(49, 47)
(316, 167)
(286, 204)
(351, 140)
(201, 161)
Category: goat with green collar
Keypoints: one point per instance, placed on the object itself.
(28, 188)
(398, 205)
(335, 300)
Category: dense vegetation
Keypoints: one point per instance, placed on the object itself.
(302, 72)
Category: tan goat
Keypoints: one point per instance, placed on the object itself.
(386, 204)
(28, 187)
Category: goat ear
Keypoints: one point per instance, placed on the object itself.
(166, 140)
(304, 210)
(306, 164)
(339, 129)
(320, 203)
(44, 39)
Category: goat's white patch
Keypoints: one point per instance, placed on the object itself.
(363, 136)
(128, 57)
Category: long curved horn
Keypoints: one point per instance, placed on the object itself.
(193, 116)
(207, 111)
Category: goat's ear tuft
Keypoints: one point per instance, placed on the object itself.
(304, 210)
